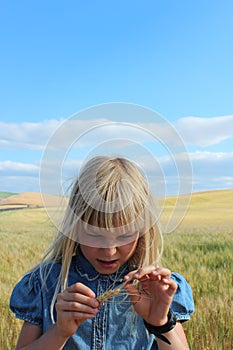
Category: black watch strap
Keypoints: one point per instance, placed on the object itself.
(158, 331)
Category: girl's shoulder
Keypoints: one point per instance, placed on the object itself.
(33, 291)
(25, 300)
(41, 273)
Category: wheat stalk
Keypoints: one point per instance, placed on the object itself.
(111, 293)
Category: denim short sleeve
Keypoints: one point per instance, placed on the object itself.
(182, 304)
(26, 301)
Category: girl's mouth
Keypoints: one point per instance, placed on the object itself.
(107, 264)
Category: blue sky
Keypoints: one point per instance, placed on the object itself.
(60, 57)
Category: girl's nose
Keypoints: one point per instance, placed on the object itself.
(109, 252)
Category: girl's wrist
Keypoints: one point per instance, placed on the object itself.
(165, 327)
(158, 331)
(159, 319)
(158, 322)
(60, 334)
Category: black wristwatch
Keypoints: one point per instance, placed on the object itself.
(158, 331)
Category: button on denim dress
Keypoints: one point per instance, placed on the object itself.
(115, 327)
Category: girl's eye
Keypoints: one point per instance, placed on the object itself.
(107, 239)
(94, 235)
(125, 237)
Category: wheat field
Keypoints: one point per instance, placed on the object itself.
(200, 249)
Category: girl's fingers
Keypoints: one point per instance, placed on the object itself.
(152, 279)
(161, 283)
(80, 288)
(172, 286)
(137, 274)
(77, 298)
(62, 305)
(78, 292)
(148, 273)
(134, 293)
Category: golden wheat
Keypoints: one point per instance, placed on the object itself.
(200, 249)
(109, 294)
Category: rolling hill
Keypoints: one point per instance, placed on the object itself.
(29, 199)
(218, 199)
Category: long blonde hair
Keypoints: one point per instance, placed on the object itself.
(109, 193)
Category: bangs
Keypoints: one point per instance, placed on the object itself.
(119, 208)
(111, 194)
(124, 221)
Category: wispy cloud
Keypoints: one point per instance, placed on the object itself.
(19, 176)
(19, 183)
(194, 130)
(9, 167)
(27, 135)
(211, 170)
(205, 131)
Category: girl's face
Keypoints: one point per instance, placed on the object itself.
(109, 259)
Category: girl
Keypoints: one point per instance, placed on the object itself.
(109, 239)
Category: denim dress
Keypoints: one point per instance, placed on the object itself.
(115, 327)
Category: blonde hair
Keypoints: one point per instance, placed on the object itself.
(109, 193)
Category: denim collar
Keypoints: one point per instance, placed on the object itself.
(86, 270)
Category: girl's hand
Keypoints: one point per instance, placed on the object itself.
(153, 295)
(75, 305)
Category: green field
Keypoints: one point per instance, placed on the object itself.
(200, 248)
(6, 194)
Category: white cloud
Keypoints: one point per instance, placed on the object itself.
(26, 135)
(19, 183)
(19, 177)
(205, 131)
(211, 170)
(17, 167)
(212, 164)
(193, 130)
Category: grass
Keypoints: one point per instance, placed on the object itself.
(207, 263)
(6, 194)
(24, 238)
(200, 249)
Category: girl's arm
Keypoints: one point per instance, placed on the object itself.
(176, 337)
(152, 299)
(30, 338)
(75, 305)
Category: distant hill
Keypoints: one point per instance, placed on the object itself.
(30, 199)
(216, 199)
(6, 194)
(209, 210)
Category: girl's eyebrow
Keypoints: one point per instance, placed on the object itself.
(127, 234)
(106, 233)
(94, 234)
